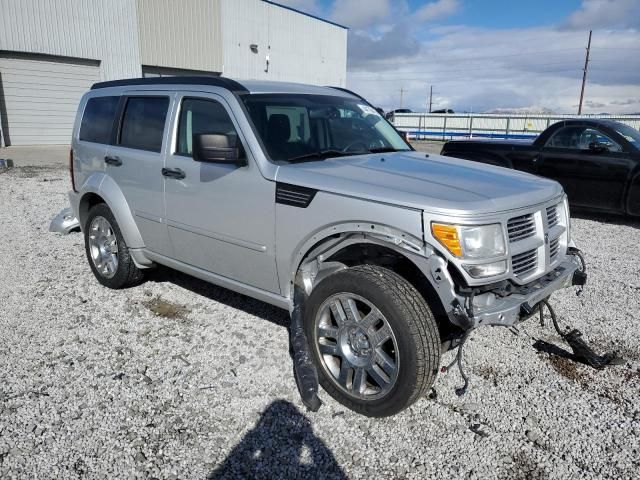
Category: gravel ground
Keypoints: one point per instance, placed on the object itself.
(180, 379)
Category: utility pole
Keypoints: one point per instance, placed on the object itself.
(401, 96)
(430, 98)
(584, 74)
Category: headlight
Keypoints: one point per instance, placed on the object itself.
(478, 241)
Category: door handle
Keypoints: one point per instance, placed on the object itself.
(176, 173)
(115, 161)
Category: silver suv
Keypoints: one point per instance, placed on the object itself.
(306, 198)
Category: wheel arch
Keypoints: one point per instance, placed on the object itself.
(400, 252)
(100, 188)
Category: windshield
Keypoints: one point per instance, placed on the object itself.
(630, 134)
(293, 127)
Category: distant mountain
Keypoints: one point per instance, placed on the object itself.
(523, 111)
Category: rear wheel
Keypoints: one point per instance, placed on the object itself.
(106, 250)
(373, 338)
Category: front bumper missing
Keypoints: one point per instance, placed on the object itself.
(519, 305)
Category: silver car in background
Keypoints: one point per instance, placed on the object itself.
(306, 198)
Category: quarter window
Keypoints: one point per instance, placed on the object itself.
(198, 116)
(143, 123)
(97, 121)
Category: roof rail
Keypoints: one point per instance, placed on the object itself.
(223, 82)
(349, 91)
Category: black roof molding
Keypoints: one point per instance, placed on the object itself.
(223, 82)
(349, 92)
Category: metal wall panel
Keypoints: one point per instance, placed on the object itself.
(180, 34)
(300, 48)
(40, 97)
(88, 29)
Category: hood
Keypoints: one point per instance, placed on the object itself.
(435, 183)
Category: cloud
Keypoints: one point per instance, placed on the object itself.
(476, 69)
(308, 6)
(605, 14)
(361, 14)
(436, 10)
(394, 43)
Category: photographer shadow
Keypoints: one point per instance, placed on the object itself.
(281, 445)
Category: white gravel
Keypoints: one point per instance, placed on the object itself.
(94, 384)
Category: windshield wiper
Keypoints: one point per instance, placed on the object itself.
(321, 155)
(387, 149)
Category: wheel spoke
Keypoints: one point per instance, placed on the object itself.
(385, 362)
(345, 370)
(351, 310)
(329, 349)
(338, 313)
(378, 376)
(327, 332)
(359, 380)
(370, 319)
(381, 335)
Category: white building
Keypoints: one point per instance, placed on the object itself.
(52, 51)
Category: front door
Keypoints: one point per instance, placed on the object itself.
(135, 159)
(220, 217)
(591, 167)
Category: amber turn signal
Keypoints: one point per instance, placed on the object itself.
(448, 236)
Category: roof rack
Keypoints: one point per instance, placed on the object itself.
(223, 82)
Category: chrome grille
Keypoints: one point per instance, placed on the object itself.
(521, 227)
(552, 216)
(554, 247)
(525, 262)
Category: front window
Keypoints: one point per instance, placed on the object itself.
(299, 127)
(582, 138)
(630, 134)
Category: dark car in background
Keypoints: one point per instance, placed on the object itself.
(389, 116)
(596, 161)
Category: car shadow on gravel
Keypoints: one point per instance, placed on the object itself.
(281, 445)
(612, 219)
(235, 300)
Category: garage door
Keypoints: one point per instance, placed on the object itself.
(39, 97)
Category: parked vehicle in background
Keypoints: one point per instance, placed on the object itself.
(597, 161)
(389, 116)
(306, 198)
(444, 110)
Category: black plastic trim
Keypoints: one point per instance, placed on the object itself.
(294, 195)
(227, 83)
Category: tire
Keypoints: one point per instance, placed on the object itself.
(369, 384)
(101, 251)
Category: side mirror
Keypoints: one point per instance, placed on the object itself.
(217, 148)
(596, 147)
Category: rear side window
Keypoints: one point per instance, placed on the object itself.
(97, 120)
(143, 123)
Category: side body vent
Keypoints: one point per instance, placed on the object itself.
(293, 195)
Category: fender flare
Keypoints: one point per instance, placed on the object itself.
(106, 188)
(312, 262)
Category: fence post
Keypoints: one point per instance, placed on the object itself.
(444, 128)
(508, 124)
(470, 126)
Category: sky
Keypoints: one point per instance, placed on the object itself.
(482, 55)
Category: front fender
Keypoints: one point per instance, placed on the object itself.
(106, 188)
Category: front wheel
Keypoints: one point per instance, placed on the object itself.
(373, 338)
(107, 252)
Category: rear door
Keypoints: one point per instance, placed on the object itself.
(220, 217)
(591, 178)
(135, 161)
